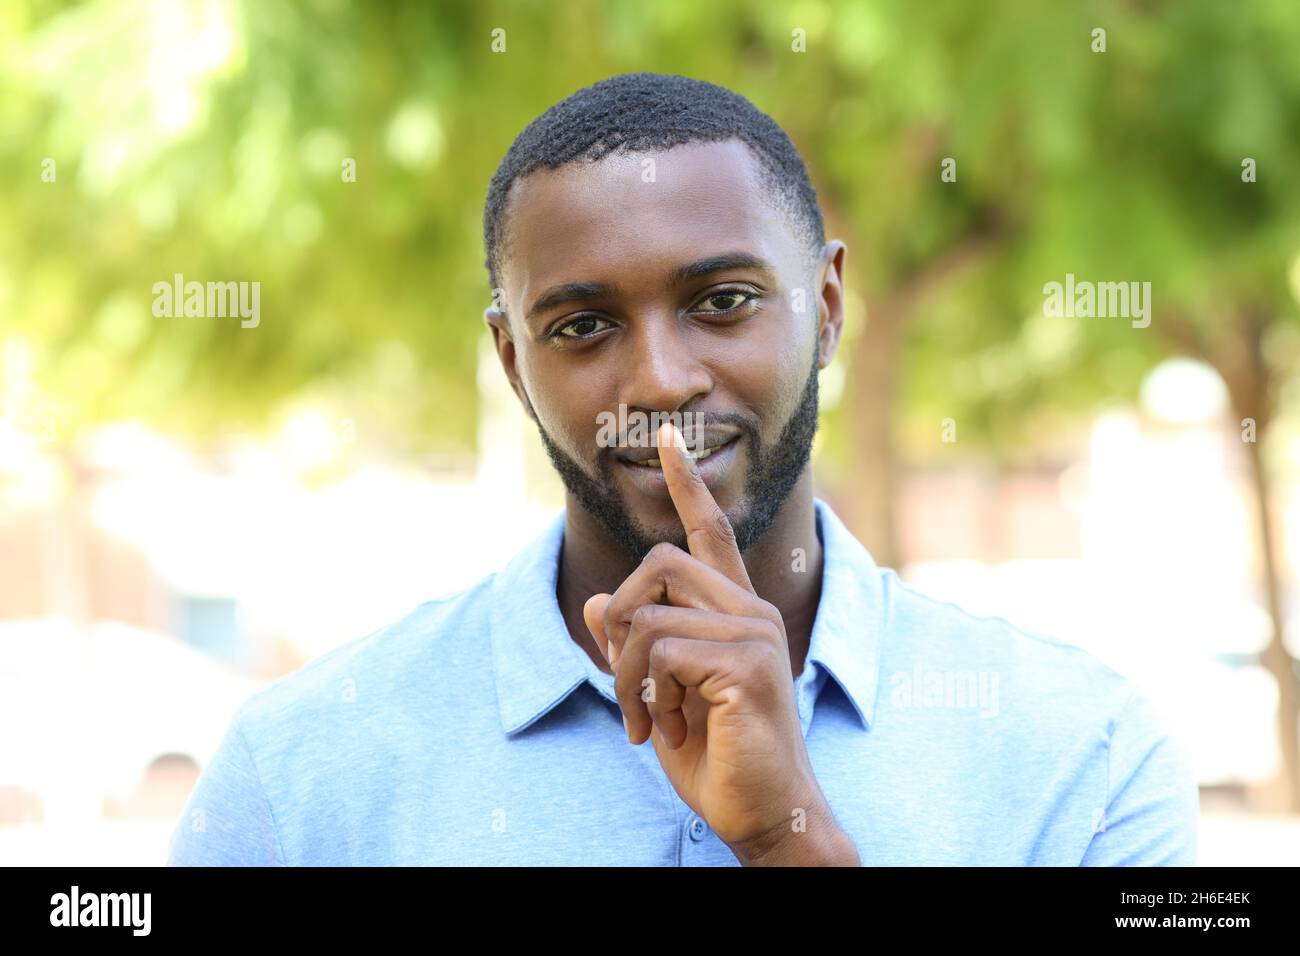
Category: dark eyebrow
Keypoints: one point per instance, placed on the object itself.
(568, 292)
(580, 291)
(728, 260)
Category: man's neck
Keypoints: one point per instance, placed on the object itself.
(785, 568)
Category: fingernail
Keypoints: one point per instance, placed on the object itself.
(626, 730)
(613, 653)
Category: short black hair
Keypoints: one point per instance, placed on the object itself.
(642, 112)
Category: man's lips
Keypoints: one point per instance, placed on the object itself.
(699, 446)
(648, 478)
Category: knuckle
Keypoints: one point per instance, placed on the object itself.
(775, 635)
(762, 661)
(646, 618)
(721, 528)
(661, 653)
(772, 614)
(662, 553)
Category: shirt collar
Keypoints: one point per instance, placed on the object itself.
(537, 665)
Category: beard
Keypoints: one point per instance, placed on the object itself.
(769, 479)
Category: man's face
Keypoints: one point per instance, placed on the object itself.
(665, 283)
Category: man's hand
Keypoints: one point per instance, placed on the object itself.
(702, 668)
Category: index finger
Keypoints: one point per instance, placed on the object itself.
(709, 535)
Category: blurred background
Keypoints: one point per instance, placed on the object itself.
(192, 506)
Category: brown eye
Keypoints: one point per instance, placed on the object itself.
(725, 301)
(580, 328)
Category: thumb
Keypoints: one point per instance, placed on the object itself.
(593, 612)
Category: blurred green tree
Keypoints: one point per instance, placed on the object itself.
(218, 140)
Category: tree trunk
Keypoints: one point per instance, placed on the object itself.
(1276, 657)
(874, 370)
(1240, 361)
(872, 397)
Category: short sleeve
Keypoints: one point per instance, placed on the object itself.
(1153, 805)
(227, 820)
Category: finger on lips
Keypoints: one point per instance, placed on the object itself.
(709, 534)
(692, 603)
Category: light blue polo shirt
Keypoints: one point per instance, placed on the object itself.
(475, 731)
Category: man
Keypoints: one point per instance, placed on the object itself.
(657, 255)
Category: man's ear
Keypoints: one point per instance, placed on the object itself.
(830, 301)
(499, 323)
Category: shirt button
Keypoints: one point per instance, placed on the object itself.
(698, 829)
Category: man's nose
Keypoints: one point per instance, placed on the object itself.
(662, 373)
